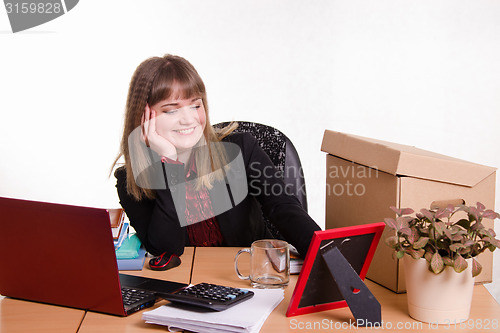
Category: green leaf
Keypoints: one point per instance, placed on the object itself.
(475, 249)
(396, 210)
(469, 242)
(400, 254)
(460, 264)
(413, 237)
(391, 223)
(489, 214)
(416, 254)
(448, 233)
(437, 264)
(472, 216)
(392, 241)
(464, 224)
(476, 268)
(402, 211)
(407, 211)
(492, 232)
(477, 226)
(440, 227)
(456, 246)
(465, 250)
(447, 261)
(442, 212)
(427, 214)
(423, 231)
(483, 233)
(402, 222)
(420, 243)
(405, 231)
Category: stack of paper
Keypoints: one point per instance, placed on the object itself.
(296, 265)
(119, 225)
(248, 316)
(129, 248)
(116, 219)
(133, 264)
(295, 260)
(131, 254)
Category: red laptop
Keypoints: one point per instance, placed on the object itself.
(64, 255)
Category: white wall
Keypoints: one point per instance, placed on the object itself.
(423, 73)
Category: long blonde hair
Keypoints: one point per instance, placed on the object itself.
(154, 80)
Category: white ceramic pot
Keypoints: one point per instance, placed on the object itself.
(443, 298)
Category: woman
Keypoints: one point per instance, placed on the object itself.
(186, 184)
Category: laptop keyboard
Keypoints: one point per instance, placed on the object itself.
(132, 296)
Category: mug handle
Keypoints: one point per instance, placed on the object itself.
(236, 264)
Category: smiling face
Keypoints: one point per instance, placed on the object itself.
(181, 121)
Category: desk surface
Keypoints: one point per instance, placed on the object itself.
(23, 316)
(18, 316)
(217, 265)
(98, 322)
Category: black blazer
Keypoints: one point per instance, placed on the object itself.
(159, 228)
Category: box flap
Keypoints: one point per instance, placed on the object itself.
(403, 160)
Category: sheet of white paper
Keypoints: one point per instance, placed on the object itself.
(248, 316)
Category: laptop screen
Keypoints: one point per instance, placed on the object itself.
(58, 254)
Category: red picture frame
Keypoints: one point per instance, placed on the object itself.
(370, 234)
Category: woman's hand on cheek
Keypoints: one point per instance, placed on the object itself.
(159, 144)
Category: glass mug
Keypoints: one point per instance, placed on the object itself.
(269, 263)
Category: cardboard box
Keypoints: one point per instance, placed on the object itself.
(367, 176)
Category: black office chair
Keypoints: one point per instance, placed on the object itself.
(283, 155)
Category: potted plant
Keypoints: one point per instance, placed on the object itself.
(440, 265)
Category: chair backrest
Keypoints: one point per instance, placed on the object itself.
(282, 153)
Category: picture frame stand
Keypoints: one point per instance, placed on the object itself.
(363, 305)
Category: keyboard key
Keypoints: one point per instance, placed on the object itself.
(215, 297)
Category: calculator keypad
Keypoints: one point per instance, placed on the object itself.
(209, 295)
(213, 292)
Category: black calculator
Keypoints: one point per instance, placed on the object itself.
(210, 296)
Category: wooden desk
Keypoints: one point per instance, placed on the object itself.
(217, 265)
(97, 322)
(18, 316)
